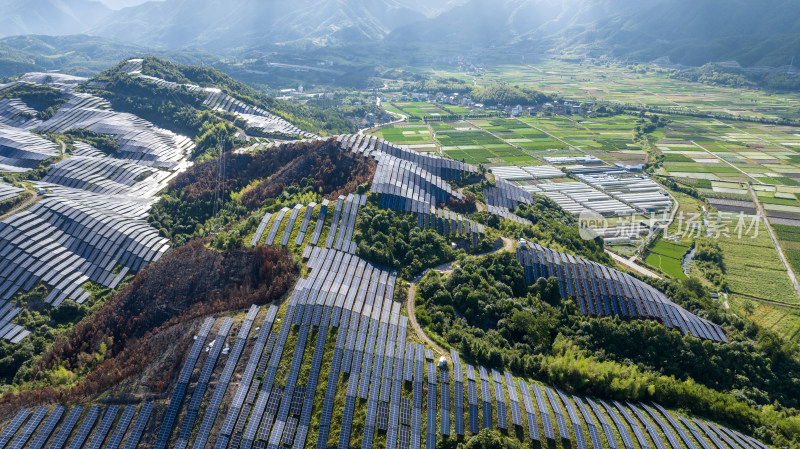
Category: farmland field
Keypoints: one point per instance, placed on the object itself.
(717, 158)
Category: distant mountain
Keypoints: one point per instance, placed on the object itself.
(53, 17)
(694, 32)
(690, 32)
(502, 22)
(76, 54)
(240, 24)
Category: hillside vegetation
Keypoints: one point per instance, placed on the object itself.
(488, 313)
(326, 122)
(125, 335)
(187, 209)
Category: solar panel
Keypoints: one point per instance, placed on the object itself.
(587, 417)
(416, 427)
(470, 372)
(562, 424)
(444, 413)
(27, 431)
(47, 428)
(543, 412)
(122, 427)
(227, 373)
(533, 427)
(573, 416)
(621, 429)
(104, 427)
(697, 435)
(745, 440)
(405, 411)
(459, 407)
(431, 405)
(458, 375)
(289, 431)
(296, 406)
(472, 399)
(734, 437)
(14, 426)
(383, 415)
(607, 430)
(183, 379)
(714, 429)
(648, 426)
(487, 415)
(673, 441)
(637, 431)
(66, 429)
(347, 421)
(405, 437)
(501, 402)
(675, 426)
(86, 427)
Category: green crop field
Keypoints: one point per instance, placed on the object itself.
(666, 264)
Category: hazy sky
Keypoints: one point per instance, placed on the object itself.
(119, 4)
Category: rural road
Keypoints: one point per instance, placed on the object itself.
(632, 265)
(785, 262)
(726, 162)
(508, 245)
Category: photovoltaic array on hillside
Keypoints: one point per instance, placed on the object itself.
(350, 301)
(603, 291)
(88, 221)
(256, 118)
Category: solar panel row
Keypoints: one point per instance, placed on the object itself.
(183, 382)
(545, 413)
(600, 290)
(560, 421)
(621, 429)
(66, 429)
(530, 411)
(301, 234)
(26, 432)
(202, 383)
(449, 223)
(501, 400)
(139, 426)
(573, 416)
(594, 435)
(247, 381)
(276, 224)
(404, 185)
(370, 146)
(222, 383)
(516, 416)
(430, 437)
(323, 209)
(86, 426)
(115, 440)
(287, 231)
(637, 431)
(671, 438)
(47, 428)
(14, 426)
(259, 406)
(105, 426)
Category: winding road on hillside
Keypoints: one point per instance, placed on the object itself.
(447, 268)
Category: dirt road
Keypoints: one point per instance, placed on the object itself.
(508, 245)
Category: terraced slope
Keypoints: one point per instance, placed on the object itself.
(337, 366)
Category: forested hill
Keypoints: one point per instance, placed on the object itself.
(182, 109)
